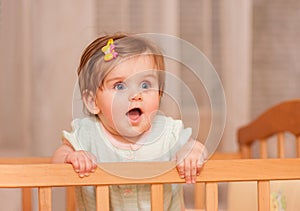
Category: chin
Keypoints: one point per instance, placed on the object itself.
(135, 132)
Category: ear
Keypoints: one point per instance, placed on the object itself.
(90, 102)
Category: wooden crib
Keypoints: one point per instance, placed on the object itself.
(46, 176)
(274, 123)
(222, 168)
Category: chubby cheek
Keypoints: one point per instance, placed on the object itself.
(152, 105)
(104, 103)
(106, 111)
(113, 107)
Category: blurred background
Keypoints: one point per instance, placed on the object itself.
(254, 46)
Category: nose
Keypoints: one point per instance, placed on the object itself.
(136, 97)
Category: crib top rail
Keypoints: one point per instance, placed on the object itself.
(55, 175)
(25, 160)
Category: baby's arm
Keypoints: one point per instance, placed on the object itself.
(83, 162)
(190, 159)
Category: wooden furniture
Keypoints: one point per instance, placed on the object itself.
(276, 121)
(41, 176)
(199, 189)
(27, 198)
(284, 117)
(26, 192)
(266, 137)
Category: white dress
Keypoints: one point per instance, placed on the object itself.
(164, 139)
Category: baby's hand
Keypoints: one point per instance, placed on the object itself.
(83, 162)
(190, 159)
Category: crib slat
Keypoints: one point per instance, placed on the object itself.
(212, 196)
(298, 146)
(246, 151)
(199, 195)
(157, 197)
(280, 145)
(263, 193)
(45, 199)
(263, 148)
(26, 199)
(70, 198)
(102, 198)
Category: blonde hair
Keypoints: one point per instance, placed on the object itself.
(93, 69)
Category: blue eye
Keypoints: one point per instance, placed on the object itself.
(146, 85)
(119, 86)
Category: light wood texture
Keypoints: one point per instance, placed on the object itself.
(24, 160)
(45, 198)
(214, 171)
(282, 117)
(274, 122)
(212, 196)
(26, 199)
(263, 195)
(263, 148)
(157, 197)
(263, 125)
(199, 189)
(246, 151)
(226, 156)
(298, 145)
(102, 199)
(199, 195)
(27, 192)
(41, 175)
(280, 145)
(70, 199)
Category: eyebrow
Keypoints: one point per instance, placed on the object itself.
(114, 79)
(155, 76)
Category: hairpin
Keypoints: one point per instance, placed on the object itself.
(109, 51)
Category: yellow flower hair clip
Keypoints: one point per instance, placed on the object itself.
(109, 51)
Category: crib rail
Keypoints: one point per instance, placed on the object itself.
(45, 176)
(27, 192)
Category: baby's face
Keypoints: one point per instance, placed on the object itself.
(129, 98)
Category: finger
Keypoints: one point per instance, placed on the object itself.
(187, 171)
(193, 171)
(88, 167)
(199, 167)
(180, 169)
(202, 161)
(94, 166)
(82, 166)
(74, 162)
(93, 162)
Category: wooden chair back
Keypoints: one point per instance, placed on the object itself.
(276, 121)
(42, 176)
(259, 139)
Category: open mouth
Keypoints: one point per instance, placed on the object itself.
(134, 113)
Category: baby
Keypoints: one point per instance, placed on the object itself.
(121, 79)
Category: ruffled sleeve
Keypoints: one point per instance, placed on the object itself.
(180, 136)
(168, 136)
(83, 132)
